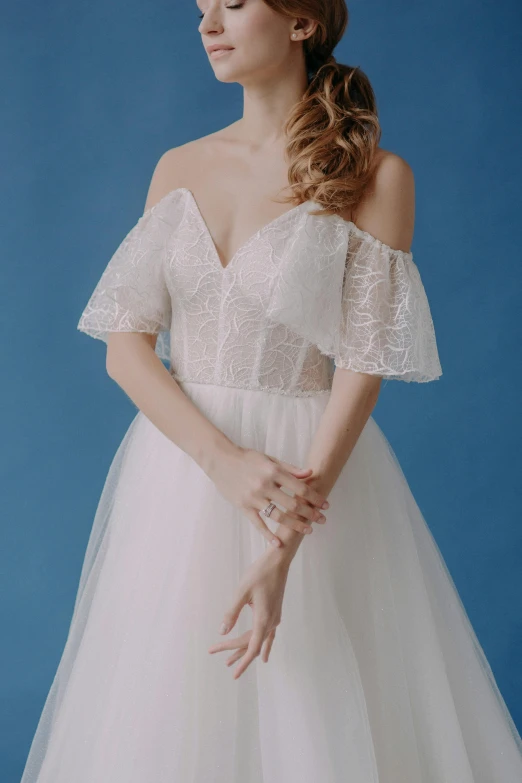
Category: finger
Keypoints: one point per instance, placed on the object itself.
(299, 487)
(294, 521)
(268, 645)
(235, 656)
(297, 505)
(230, 617)
(290, 467)
(254, 646)
(317, 514)
(231, 644)
(263, 528)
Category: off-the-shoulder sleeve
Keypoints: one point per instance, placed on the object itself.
(132, 293)
(361, 302)
(386, 327)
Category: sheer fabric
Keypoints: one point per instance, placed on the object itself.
(341, 294)
(132, 294)
(376, 674)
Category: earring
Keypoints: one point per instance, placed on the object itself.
(294, 35)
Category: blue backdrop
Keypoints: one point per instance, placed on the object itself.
(93, 94)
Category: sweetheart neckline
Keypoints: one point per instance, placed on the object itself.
(349, 225)
(244, 245)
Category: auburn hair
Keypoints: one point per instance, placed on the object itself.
(333, 131)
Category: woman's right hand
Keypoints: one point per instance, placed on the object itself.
(251, 480)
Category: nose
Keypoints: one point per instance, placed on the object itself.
(211, 22)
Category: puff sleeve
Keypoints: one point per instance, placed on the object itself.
(132, 293)
(386, 327)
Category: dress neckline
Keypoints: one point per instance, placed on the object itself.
(349, 225)
(244, 245)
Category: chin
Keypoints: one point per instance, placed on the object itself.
(227, 76)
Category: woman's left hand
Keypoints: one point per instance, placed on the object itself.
(262, 588)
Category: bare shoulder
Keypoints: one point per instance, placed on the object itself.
(178, 165)
(167, 174)
(387, 210)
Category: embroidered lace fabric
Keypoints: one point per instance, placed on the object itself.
(376, 674)
(302, 291)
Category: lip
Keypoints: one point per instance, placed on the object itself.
(219, 53)
(216, 50)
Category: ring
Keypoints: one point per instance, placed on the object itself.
(268, 510)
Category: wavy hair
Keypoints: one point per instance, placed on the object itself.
(333, 132)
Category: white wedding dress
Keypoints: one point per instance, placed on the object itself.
(376, 675)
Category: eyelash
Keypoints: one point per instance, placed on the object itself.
(200, 16)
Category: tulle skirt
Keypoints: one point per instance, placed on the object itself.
(375, 675)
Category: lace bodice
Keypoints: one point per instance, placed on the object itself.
(304, 293)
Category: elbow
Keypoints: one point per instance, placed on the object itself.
(372, 395)
(371, 389)
(112, 358)
(123, 348)
(109, 363)
(363, 386)
(374, 389)
(375, 385)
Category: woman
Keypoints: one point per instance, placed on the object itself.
(372, 672)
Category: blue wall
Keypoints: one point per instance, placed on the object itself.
(94, 93)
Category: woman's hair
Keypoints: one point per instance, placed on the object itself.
(333, 132)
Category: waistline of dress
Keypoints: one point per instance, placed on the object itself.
(185, 381)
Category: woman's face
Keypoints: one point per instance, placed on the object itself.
(257, 40)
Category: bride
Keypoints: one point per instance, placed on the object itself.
(251, 314)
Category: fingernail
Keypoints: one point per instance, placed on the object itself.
(325, 504)
(224, 628)
(275, 542)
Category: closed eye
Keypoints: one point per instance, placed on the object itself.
(239, 5)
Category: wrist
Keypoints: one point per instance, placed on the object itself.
(282, 556)
(292, 538)
(215, 450)
(291, 542)
(321, 481)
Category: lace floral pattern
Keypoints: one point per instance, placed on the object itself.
(302, 291)
(132, 294)
(360, 301)
(386, 324)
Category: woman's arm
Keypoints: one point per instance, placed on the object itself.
(133, 364)
(243, 476)
(351, 403)
(388, 214)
